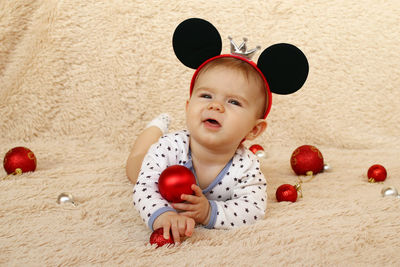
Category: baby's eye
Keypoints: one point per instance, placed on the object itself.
(205, 96)
(234, 102)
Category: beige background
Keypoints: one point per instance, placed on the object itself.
(80, 79)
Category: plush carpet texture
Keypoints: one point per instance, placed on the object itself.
(80, 79)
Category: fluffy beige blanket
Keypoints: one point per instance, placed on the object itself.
(80, 79)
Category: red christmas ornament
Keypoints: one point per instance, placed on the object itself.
(18, 160)
(158, 238)
(175, 181)
(306, 159)
(257, 150)
(287, 192)
(376, 173)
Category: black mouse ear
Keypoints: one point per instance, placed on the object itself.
(196, 40)
(285, 67)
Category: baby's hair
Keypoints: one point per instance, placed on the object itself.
(243, 67)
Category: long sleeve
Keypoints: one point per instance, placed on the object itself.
(248, 200)
(146, 197)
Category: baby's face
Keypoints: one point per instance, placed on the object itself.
(224, 107)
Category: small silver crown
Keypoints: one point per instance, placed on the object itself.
(241, 50)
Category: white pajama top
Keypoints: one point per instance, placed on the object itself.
(237, 196)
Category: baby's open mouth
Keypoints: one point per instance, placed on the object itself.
(212, 122)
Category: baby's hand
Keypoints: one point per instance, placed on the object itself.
(197, 206)
(178, 224)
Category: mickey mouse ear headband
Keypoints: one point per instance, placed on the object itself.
(283, 67)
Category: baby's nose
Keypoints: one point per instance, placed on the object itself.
(216, 106)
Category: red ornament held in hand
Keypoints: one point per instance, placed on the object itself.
(376, 173)
(175, 181)
(307, 160)
(287, 192)
(158, 238)
(18, 160)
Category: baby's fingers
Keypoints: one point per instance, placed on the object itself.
(166, 229)
(197, 190)
(189, 227)
(182, 206)
(175, 232)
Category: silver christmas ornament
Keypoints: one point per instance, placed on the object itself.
(389, 191)
(66, 198)
(327, 167)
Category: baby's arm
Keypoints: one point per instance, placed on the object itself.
(146, 197)
(247, 204)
